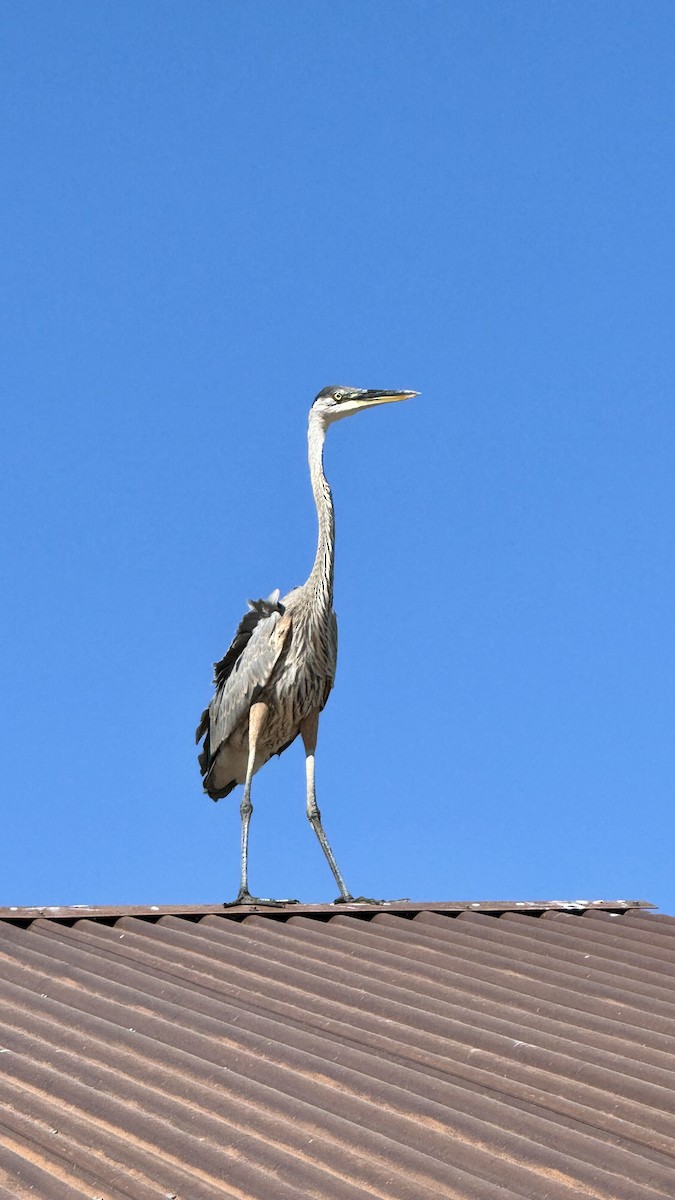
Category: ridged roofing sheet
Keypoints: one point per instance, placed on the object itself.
(404, 1055)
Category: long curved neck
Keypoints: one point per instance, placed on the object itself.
(321, 576)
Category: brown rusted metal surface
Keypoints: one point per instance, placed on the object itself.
(406, 1052)
(152, 912)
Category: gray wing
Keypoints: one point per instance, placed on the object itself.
(244, 671)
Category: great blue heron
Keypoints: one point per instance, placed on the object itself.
(277, 674)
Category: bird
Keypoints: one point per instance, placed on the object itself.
(276, 676)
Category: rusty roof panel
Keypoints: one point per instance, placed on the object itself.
(468, 1052)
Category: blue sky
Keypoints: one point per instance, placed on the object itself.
(210, 211)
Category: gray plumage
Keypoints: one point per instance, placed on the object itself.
(279, 670)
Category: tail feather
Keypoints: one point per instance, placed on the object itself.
(218, 793)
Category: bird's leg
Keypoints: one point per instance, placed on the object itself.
(256, 721)
(309, 732)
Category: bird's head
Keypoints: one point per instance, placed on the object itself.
(334, 403)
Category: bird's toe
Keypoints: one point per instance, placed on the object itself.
(245, 899)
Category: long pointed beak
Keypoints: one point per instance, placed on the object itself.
(375, 396)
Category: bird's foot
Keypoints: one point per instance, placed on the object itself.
(245, 897)
(358, 900)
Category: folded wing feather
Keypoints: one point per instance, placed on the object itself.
(244, 671)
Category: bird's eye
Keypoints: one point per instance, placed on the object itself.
(338, 395)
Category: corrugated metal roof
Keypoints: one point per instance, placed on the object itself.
(460, 1051)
